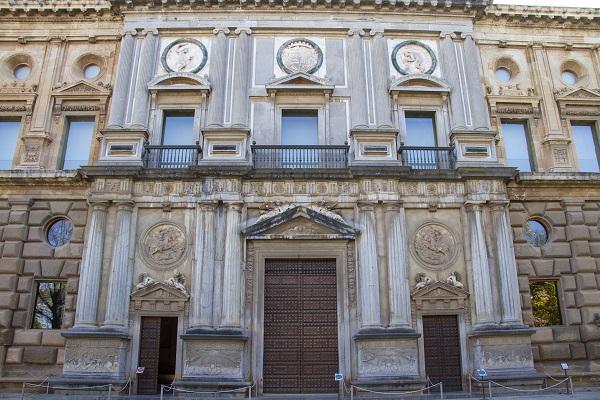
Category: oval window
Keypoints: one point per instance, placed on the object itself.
(91, 71)
(22, 71)
(503, 74)
(536, 233)
(569, 77)
(59, 232)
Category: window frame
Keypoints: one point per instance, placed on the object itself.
(440, 126)
(559, 296)
(67, 117)
(582, 121)
(533, 165)
(171, 111)
(322, 133)
(32, 307)
(18, 142)
(157, 126)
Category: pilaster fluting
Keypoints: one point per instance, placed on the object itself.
(117, 301)
(145, 71)
(119, 95)
(232, 269)
(507, 267)
(357, 78)
(451, 66)
(204, 266)
(368, 271)
(218, 77)
(399, 291)
(383, 111)
(239, 112)
(91, 268)
(482, 286)
(479, 108)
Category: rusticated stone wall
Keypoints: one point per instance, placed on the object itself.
(27, 258)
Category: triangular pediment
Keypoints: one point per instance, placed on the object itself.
(182, 81)
(419, 83)
(300, 222)
(159, 291)
(300, 81)
(578, 94)
(439, 291)
(82, 88)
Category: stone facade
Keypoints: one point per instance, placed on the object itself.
(189, 236)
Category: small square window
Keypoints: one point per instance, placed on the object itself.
(78, 142)
(420, 129)
(299, 127)
(9, 133)
(49, 305)
(545, 303)
(178, 128)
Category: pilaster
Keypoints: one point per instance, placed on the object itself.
(145, 71)
(453, 69)
(239, 111)
(383, 111)
(232, 271)
(120, 93)
(357, 80)
(479, 108)
(218, 77)
(368, 271)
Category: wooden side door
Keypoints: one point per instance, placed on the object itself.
(442, 351)
(149, 355)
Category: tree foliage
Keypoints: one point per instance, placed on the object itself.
(544, 300)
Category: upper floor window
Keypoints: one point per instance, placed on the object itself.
(178, 128)
(420, 129)
(299, 127)
(9, 133)
(586, 146)
(78, 142)
(516, 146)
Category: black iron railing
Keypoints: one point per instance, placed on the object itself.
(427, 157)
(171, 156)
(299, 156)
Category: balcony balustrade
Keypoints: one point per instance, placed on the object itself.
(418, 157)
(300, 156)
(174, 156)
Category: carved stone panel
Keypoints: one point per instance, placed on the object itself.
(213, 358)
(299, 55)
(184, 55)
(97, 356)
(501, 353)
(413, 57)
(390, 357)
(434, 246)
(164, 245)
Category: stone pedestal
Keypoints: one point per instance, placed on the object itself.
(503, 353)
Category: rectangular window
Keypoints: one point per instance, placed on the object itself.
(299, 127)
(49, 305)
(516, 146)
(586, 147)
(9, 133)
(545, 303)
(78, 142)
(420, 129)
(178, 128)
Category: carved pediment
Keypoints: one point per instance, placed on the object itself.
(421, 83)
(300, 81)
(180, 81)
(159, 296)
(440, 295)
(300, 222)
(82, 88)
(578, 94)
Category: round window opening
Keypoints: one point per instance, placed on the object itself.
(536, 233)
(503, 74)
(569, 77)
(91, 71)
(21, 71)
(59, 232)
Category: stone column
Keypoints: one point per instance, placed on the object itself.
(357, 79)
(383, 111)
(507, 267)
(204, 267)
(218, 77)
(121, 90)
(399, 291)
(368, 271)
(145, 71)
(119, 285)
(232, 269)
(91, 268)
(241, 81)
(482, 286)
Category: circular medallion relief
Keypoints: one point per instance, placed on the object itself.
(184, 55)
(434, 246)
(164, 245)
(299, 55)
(413, 57)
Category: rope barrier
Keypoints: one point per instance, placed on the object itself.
(169, 388)
(440, 384)
(491, 382)
(47, 386)
(530, 390)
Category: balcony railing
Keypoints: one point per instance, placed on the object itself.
(427, 157)
(171, 156)
(299, 156)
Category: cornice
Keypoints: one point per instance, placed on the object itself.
(540, 15)
(69, 7)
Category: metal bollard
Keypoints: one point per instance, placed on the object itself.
(442, 390)
(22, 390)
(109, 391)
(249, 392)
(161, 391)
(571, 384)
(490, 388)
(351, 392)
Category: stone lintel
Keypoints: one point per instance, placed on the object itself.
(385, 333)
(496, 330)
(212, 334)
(96, 334)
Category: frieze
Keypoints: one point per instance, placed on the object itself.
(212, 359)
(14, 108)
(434, 246)
(504, 356)
(278, 188)
(510, 90)
(111, 185)
(431, 189)
(561, 155)
(79, 107)
(95, 356)
(515, 110)
(163, 245)
(351, 271)
(249, 273)
(387, 358)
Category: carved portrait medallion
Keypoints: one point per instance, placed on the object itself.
(164, 245)
(434, 246)
(299, 55)
(184, 55)
(413, 57)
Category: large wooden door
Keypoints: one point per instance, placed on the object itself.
(149, 355)
(300, 326)
(442, 350)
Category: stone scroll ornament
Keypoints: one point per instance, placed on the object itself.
(299, 55)
(413, 57)
(164, 245)
(434, 246)
(184, 55)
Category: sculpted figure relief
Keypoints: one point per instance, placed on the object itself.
(413, 57)
(299, 55)
(164, 245)
(184, 55)
(454, 280)
(144, 280)
(423, 280)
(434, 246)
(177, 281)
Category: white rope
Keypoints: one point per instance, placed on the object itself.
(124, 387)
(550, 376)
(395, 393)
(70, 388)
(242, 389)
(530, 390)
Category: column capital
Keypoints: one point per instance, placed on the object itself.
(498, 205)
(377, 32)
(243, 29)
(356, 31)
(125, 205)
(99, 205)
(474, 205)
(131, 32)
(392, 206)
(451, 35)
(208, 205)
(221, 30)
(234, 205)
(366, 205)
(149, 32)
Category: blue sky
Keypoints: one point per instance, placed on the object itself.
(558, 3)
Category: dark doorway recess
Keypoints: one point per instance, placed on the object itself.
(300, 326)
(442, 351)
(158, 349)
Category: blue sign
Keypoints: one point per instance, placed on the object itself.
(338, 377)
(481, 372)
